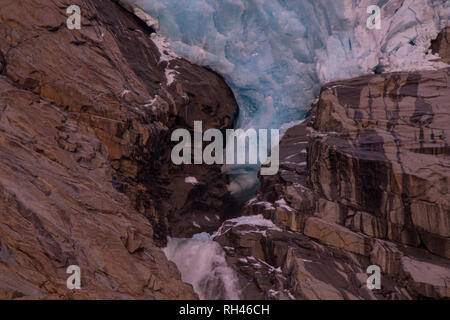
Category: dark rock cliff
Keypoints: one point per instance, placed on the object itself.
(86, 178)
(364, 180)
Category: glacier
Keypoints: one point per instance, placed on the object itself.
(276, 54)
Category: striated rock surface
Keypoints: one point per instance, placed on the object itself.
(86, 178)
(364, 180)
(387, 160)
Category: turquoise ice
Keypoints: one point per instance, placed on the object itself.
(276, 54)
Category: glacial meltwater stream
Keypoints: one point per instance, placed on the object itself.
(201, 262)
(275, 55)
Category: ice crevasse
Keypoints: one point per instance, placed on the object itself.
(276, 54)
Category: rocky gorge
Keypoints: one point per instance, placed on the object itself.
(364, 181)
(86, 177)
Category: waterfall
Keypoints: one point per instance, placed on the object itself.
(202, 263)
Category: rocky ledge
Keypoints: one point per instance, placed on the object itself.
(86, 177)
(364, 180)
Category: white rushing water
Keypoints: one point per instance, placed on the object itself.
(202, 263)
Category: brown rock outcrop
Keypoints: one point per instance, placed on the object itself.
(363, 180)
(86, 177)
(387, 157)
(441, 45)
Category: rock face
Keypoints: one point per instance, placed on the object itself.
(364, 180)
(86, 178)
(441, 45)
(389, 161)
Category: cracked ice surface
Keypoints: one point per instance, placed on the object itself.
(275, 54)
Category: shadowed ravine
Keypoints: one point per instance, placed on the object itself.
(275, 55)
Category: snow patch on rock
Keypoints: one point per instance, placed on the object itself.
(191, 180)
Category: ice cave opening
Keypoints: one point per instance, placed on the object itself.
(275, 55)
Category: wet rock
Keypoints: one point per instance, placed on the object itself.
(292, 266)
(139, 95)
(245, 246)
(85, 123)
(371, 150)
(363, 180)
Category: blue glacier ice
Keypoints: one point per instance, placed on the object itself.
(276, 54)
